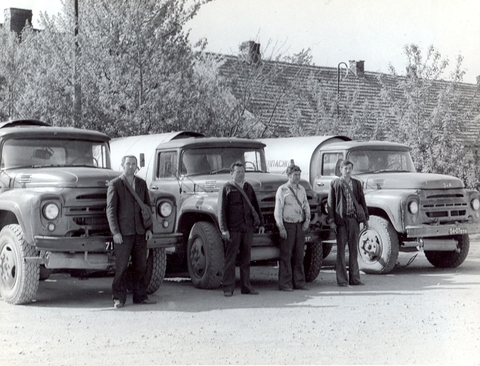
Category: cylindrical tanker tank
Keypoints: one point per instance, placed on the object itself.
(303, 150)
(142, 144)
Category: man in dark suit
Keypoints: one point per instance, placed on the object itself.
(129, 235)
(342, 217)
(236, 218)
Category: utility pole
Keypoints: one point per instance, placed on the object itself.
(77, 108)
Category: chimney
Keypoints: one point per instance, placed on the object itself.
(250, 52)
(15, 19)
(357, 67)
(478, 80)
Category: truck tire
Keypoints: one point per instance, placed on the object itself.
(18, 279)
(441, 259)
(205, 256)
(156, 266)
(378, 246)
(327, 248)
(312, 262)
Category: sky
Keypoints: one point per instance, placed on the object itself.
(336, 31)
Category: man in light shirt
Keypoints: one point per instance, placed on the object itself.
(292, 215)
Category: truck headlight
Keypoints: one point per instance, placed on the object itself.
(475, 204)
(413, 207)
(51, 211)
(165, 209)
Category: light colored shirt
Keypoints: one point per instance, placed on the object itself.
(287, 209)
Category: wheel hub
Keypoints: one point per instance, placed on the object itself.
(370, 245)
(197, 258)
(7, 266)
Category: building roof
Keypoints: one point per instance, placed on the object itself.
(273, 90)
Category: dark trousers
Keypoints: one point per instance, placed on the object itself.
(291, 273)
(238, 241)
(348, 234)
(136, 247)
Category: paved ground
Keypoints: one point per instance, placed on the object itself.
(415, 315)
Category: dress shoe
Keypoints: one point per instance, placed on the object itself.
(286, 289)
(342, 284)
(359, 283)
(228, 294)
(117, 304)
(145, 302)
(305, 288)
(250, 292)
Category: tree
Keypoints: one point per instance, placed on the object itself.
(138, 71)
(429, 114)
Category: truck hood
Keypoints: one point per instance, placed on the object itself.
(80, 177)
(409, 181)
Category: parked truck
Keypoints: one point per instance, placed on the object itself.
(409, 211)
(53, 185)
(193, 168)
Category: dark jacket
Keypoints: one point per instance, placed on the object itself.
(337, 203)
(123, 211)
(234, 213)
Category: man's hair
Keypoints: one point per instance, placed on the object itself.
(293, 168)
(237, 163)
(129, 156)
(344, 163)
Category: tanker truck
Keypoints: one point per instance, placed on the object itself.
(193, 168)
(409, 211)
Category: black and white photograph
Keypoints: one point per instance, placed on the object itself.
(247, 182)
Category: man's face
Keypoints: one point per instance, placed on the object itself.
(294, 177)
(130, 166)
(238, 174)
(346, 171)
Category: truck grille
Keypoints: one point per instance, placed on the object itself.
(445, 206)
(88, 214)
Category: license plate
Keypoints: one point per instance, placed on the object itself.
(457, 231)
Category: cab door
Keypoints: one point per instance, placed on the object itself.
(329, 170)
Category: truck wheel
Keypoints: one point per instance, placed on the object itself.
(156, 266)
(378, 246)
(18, 279)
(312, 262)
(452, 259)
(327, 248)
(205, 256)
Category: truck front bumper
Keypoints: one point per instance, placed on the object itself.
(426, 231)
(97, 243)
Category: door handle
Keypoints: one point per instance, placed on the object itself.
(155, 188)
(320, 184)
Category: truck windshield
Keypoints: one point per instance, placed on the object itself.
(218, 160)
(375, 161)
(38, 153)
